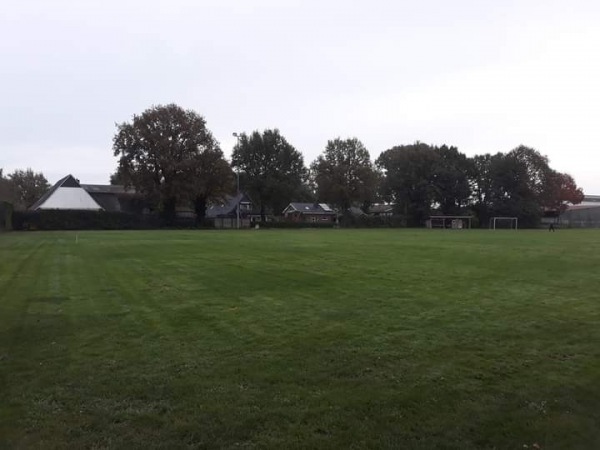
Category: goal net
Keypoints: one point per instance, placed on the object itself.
(504, 223)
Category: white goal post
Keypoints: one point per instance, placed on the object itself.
(513, 222)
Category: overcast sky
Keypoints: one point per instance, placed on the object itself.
(484, 76)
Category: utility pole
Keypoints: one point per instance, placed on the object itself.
(239, 201)
(237, 173)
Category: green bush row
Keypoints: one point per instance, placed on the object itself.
(6, 212)
(93, 220)
(289, 224)
(350, 221)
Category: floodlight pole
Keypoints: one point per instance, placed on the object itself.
(237, 135)
(238, 194)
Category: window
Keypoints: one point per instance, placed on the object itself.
(314, 219)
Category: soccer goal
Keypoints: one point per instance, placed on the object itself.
(450, 222)
(504, 223)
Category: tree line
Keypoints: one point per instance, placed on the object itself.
(22, 188)
(169, 155)
(420, 178)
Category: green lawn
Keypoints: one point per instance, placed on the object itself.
(300, 339)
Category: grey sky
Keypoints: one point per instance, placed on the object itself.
(485, 76)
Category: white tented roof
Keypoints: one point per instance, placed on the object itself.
(67, 193)
(70, 198)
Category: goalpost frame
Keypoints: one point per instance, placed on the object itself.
(514, 220)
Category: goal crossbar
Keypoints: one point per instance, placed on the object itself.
(514, 222)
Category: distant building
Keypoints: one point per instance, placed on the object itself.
(381, 210)
(116, 197)
(355, 211)
(583, 215)
(69, 194)
(310, 213)
(590, 200)
(224, 214)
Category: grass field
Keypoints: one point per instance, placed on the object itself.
(300, 339)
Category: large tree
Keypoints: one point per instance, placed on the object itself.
(118, 177)
(271, 170)
(26, 187)
(409, 180)
(561, 190)
(165, 153)
(344, 174)
(213, 180)
(452, 191)
(518, 183)
(535, 170)
(481, 177)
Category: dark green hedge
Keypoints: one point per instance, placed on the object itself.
(349, 221)
(6, 212)
(82, 220)
(290, 225)
(97, 220)
(102, 220)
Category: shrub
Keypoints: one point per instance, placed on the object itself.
(350, 221)
(291, 225)
(6, 212)
(82, 220)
